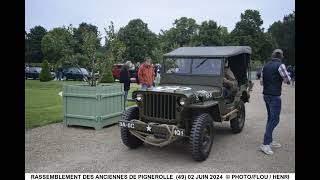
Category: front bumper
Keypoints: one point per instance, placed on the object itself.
(153, 133)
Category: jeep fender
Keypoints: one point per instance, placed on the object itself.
(211, 107)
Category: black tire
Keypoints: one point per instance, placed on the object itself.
(237, 123)
(201, 137)
(127, 138)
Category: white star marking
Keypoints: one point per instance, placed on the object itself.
(149, 128)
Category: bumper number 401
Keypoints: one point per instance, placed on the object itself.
(178, 132)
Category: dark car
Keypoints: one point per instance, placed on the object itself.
(34, 72)
(75, 73)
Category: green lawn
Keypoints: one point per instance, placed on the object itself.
(43, 105)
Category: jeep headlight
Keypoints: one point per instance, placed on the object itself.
(182, 101)
(139, 97)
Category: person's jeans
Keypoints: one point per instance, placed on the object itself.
(273, 104)
(125, 95)
(59, 76)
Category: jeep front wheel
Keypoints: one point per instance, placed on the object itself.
(201, 137)
(127, 138)
(237, 123)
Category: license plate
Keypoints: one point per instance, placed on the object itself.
(126, 124)
(178, 132)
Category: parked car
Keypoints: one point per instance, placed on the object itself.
(75, 73)
(34, 72)
(116, 69)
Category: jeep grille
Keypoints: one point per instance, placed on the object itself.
(162, 106)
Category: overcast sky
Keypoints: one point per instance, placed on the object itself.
(158, 14)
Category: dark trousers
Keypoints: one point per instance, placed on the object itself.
(273, 104)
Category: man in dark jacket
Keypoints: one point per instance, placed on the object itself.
(125, 79)
(273, 73)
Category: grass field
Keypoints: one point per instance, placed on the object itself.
(43, 105)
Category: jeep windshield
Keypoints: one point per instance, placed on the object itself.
(193, 66)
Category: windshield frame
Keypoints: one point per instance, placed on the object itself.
(192, 59)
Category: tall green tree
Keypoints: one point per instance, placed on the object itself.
(210, 34)
(33, 44)
(186, 29)
(114, 45)
(45, 75)
(79, 35)
(183, 33)
(284, 34)
(138, 39)
(249, 32)
(57, 43)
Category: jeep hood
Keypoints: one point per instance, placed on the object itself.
(187, 90)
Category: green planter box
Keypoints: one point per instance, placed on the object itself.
(95, 107)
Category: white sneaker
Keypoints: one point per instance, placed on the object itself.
(275, 144)
(266, 149)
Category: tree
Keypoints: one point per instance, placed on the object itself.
(138, 40)
(45, 74)
(157, 55)
(225, 35)
(79, 33)
(56, 44)
(114, 45)
(107, 76)
(184, 33)
(89, 48)
(110, 35)
(186, 29)
(27, 49)
(33, 39)
(248, 32)
(210, 34)
(284, 34)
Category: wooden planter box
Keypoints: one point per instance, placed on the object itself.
(95, 107)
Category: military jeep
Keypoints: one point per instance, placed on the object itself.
(189, 99)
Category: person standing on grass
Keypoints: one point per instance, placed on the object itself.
(125, 79)
(60, 70)
(272, 76)
(146, 74)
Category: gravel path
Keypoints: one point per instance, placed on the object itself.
(55, 148)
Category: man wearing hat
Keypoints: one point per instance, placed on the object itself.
(273, 74)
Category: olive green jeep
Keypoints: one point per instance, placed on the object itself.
(189, 99)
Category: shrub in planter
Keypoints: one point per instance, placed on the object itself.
(107, 76)
(45, 72)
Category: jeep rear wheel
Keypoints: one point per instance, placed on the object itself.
(237, 123)
(201, 137)
(127, 138)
